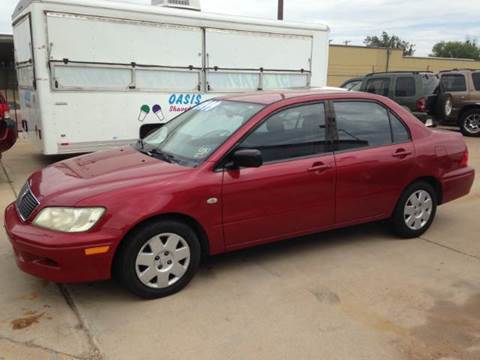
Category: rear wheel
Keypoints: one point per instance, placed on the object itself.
(158, 259)
(415, 210)
(470, 122)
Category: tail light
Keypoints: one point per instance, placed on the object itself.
(464, 160)
(421, 104)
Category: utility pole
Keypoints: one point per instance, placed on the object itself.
(280, 10)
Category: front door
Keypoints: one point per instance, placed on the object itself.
(292, 193)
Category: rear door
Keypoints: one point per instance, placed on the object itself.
(405, 91)
(374, 156)
(293, 191)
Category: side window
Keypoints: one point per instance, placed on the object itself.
(361, 124)
(476, 80)
(405, 86)
(295, 132)
(454, 82)
(399, 131)
(378, 86)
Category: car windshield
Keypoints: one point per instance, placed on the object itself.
(192, 136)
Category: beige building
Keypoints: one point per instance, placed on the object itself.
(346, 62)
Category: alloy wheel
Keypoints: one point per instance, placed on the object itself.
(418, 209)
(472, 123)
(162, 260)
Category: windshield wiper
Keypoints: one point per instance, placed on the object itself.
(163, 155)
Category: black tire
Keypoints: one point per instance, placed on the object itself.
(464, 127)
(398, 220)
(125, 267)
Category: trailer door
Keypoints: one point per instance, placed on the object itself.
(235, 60)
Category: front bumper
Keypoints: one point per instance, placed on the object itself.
(457, 183)
(57, 256)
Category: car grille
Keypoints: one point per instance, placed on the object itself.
(26, 202)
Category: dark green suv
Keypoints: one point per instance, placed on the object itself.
(410, 89)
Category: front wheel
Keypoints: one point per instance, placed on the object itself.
(470, 123)
(158, 259)
(415, 210)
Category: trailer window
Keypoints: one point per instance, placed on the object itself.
(25, 76)
(284, 81)
(233, 81)
(255, 80)
(86, 77)
(24, 59)
(113, 77)
(154, 79)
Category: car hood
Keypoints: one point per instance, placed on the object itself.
(77, 179)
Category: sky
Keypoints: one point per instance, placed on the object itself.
(422, 22)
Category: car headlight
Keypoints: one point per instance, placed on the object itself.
(68, 219)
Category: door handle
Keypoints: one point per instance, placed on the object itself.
(401, 153)
(318, 167)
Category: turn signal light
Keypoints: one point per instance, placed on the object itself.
(97, 250)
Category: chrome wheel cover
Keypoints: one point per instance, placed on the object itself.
(418, 209)
(162, 260)
(472, 123)
(448, 107)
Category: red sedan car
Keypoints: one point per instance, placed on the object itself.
(234, 172)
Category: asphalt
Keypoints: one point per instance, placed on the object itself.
(356, 293)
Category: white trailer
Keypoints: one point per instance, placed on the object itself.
(95, 74)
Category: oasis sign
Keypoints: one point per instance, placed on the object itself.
(183, 102)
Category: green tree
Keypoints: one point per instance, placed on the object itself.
(392, 42)
(457, 49)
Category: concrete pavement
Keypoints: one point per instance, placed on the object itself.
(357, 293)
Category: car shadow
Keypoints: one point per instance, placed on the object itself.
(286, 250)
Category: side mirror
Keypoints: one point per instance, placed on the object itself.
(247, 158)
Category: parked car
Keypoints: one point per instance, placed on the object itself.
(231, 173)
(8, 127)
(352, 84)
(458, 101)
(410, 89)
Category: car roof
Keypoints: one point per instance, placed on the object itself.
(270, 97)
(395, 73)
(458, 71)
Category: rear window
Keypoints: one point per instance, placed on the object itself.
(378, 86)
(430, 83)
(405, 86)
(454, 82)
(476, 80)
